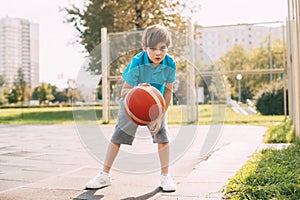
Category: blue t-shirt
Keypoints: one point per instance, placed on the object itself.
(140, 70)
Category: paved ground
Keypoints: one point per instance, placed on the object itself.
(50, 162)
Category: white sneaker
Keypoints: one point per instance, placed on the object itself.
(99, 181)
(167, 184)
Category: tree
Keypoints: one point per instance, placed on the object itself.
(13, 96)
(1, 80)
(122, 15)
(261, 60)
(20, 86)
(61, 96)
(73, 95)
(2, 94)
(43, 93)
(238, 58)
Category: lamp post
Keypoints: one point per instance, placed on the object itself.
(239, 78)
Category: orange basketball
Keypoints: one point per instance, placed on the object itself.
(144, 105)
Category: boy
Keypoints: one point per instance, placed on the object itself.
(155, 67)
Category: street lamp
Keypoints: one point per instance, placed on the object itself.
(239, 78)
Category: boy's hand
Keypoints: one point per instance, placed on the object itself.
(156, 126)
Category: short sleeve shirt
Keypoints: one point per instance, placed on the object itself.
(140, 70)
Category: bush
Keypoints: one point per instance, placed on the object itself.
(270, 100)
(269, 174)
(281, 133)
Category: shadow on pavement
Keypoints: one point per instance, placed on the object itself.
(145, 196)
(89, 195)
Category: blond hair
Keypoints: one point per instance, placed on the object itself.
(155, 34)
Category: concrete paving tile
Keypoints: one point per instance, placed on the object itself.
(61, 183)
(5, 146)
(7, 184)
(61, 158)
(198, 176)
(26, 175)
(7, 168)
(38, 166)
(11, 160)
(37, 194)
(225, 165)
(166, 197)
(17, 153)
(216, 195)
(147, 180)
(87, 172)
(199, 189)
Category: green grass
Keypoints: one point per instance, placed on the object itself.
(49, 115)
(280, 133)
(269, 174)
(176, 115)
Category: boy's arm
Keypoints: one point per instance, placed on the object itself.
(125, 89)
(168, 94)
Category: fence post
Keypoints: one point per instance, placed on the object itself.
(104, 71)
(191, 82)
(293, 56)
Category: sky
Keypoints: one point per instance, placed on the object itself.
(61, 57)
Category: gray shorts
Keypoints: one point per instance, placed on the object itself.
(125, 129)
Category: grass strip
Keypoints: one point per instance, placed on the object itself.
(269, 174)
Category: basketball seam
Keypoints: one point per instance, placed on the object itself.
(157, 102)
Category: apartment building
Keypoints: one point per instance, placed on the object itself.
(19, 48)
(214, 41)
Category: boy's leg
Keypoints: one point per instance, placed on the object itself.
(161, 138)
(163, 151)
(123, 134)
(112, 152)
(166, 181)
(103, 179)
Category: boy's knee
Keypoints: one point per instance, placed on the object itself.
(116, 144)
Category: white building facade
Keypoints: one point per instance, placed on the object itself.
(19, 48)
(215, 41)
